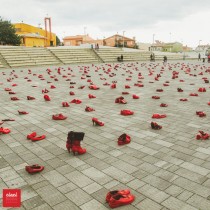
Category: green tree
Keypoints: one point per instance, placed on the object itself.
(58, 42)
(7, 33)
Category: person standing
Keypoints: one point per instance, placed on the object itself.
(199, 56)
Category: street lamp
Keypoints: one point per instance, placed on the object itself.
(123, 38)
(153, 38)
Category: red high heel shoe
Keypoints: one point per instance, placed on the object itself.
(126, 112)
(155, 126)
(22, 112)
(30, 98)
(135, 96)
(76, 148)
(4, 130)
(116, 192)
(89, 109)
(163, 105)
(47, 98)
(124, 139)
(97, 122)
(121, 200)
(58, 117)
(65, 104)
(34, 169)
(158, 116)
(91, 96)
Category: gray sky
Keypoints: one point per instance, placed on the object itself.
(185, 21)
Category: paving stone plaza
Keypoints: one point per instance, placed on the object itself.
(164, 169)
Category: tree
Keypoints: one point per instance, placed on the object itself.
(58, 42)
(7, 33)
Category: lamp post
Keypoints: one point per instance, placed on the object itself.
(123, 38)
(153, 41)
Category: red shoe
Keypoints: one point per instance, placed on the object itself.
(14, 98)
(12, 93)
(116, 192)
(4, 130)
(58, 117)
(125, 93)
(155, 126)
(71, 93)
(135, 96)
(165, 84)
(126, 112)
(121, 200)
(52, 87)
(120, 100)
(183, 99)
(45, 91)
(159, 90)
(29, 136)
(76, 101)
(202, 135)
(158, 116)
(127, 87)
(113, 86)
(97, 122)
(193, 94)
(179, 90)
(163, 105)
(89, 109)
(37, 138)
(91, 96)
(34, 169)
(47, 98)
(208, 103)
(30, 98)
(81, 87)
(124, 139)
(76, 148)
(7, 89)
(22, 112)
(156, 97)
(94, 87)
(65, 104)
(202, 90)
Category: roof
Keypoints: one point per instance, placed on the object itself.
(120, 36)
(34, 35)
(78, 37)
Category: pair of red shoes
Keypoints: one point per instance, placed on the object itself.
(125, 93)
(76, 101)
(33, 137)
(89, 109)
(193, 94)
(12, 93)
(120, 100)
(124, 139)
(156, 97)
(158, 116)
(200, 113)
(59, 117)
(159, 90)
(118, 198)
(22, 112)
(34, 169)
(202, 90)
(163, 105)
(30, 98)
(14, 98)
(4, 130)
(183, 99)
(65, 104)
(91, 96)
(202, 135)
(155, 126)
(126, 112)
(47, 98)
(135, 96)
(97, 122)
(127, 87)
(93, 87)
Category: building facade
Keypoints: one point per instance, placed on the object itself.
(32, 36)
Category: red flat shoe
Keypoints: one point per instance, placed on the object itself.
(121, 200)
(29, 136)
(47, 98)
(163, 105)
(89, 109)
(34, 169)
(124, 139)
(135, 96)
(65, 104)
(116, 192)
(155, 126)
(4, 130)
(126, 112)
(38, 138)
(97, 122)
(158, 116)
(22, 112)
(58, 117)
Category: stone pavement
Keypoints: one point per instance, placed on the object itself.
(165, 169)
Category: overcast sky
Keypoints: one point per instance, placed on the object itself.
(185, 21)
